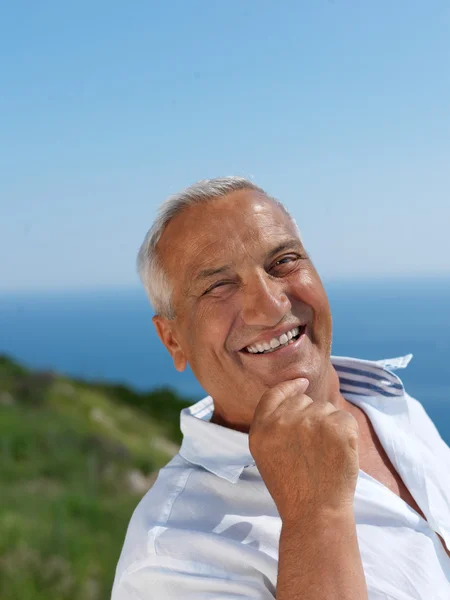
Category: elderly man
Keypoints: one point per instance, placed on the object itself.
(301, 476)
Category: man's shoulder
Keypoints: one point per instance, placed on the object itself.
(190, 530)
(184, 498)
(153, 512)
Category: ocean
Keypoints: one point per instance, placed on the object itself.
(108, 335)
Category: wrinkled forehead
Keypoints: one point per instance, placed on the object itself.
(245, 225)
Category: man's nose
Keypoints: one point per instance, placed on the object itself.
(265, 301)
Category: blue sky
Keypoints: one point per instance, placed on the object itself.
(339, 108)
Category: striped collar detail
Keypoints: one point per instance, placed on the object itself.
(370, 378)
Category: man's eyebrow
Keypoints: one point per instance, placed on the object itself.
(207, 273)
(286, 245)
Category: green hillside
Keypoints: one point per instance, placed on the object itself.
(75, 459)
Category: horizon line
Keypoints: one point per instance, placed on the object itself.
(326, 280)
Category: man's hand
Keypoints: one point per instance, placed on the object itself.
(306, 452)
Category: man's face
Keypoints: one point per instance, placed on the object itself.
(241, 274)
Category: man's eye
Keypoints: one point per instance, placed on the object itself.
(215, 285)
(289, 258)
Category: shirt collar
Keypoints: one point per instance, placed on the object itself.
(225, 452)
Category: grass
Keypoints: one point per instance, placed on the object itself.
(70, 456)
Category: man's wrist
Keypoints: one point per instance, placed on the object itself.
(319, 518)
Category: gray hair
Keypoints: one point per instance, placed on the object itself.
(150, 266)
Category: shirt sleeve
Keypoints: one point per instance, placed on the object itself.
(189, 581)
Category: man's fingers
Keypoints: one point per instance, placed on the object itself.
(278, 394)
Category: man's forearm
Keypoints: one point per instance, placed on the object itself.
(319, 559)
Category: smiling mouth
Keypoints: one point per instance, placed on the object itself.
(302, 330)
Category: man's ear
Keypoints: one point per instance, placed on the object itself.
(165, 330)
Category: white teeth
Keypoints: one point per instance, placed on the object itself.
(274, 342)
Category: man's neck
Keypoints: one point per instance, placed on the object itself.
(219, 420)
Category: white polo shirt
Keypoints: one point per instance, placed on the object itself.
(208, 528)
